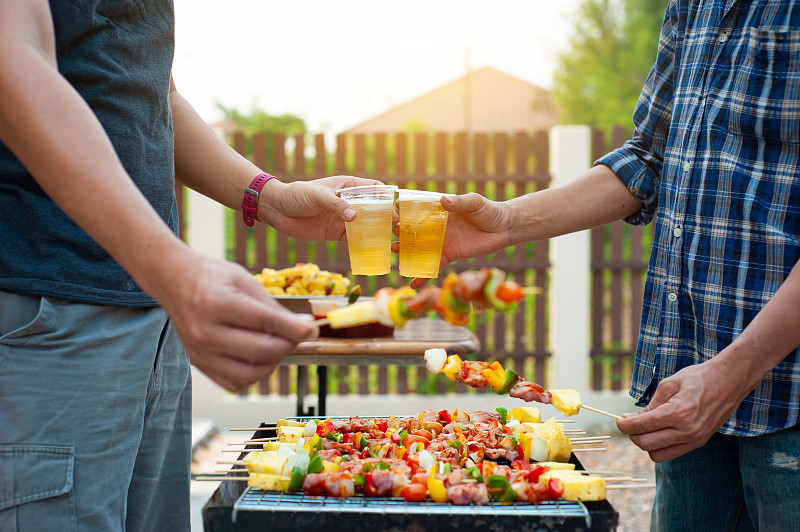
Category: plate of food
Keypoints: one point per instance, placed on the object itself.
(293, 287)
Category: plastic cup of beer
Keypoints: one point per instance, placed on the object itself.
(422, 224)
(369, 236)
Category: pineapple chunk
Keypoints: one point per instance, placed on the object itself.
(577, 487)
(290, 423)
(559, 449)
(265, 462)
(268, 482)
(289, 434)
(526, 414)
(558, 465)
(566, 401)
(583, 488)
(352, 315)
(559, 473)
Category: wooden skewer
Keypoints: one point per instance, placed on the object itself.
(597, 410)
(232, 462)
(532, 290)
(590, 450)
(230, 471)
(587, 438)
(257, 440)
(254, 430)
(220, 478)
(322, 321)
(598, 472)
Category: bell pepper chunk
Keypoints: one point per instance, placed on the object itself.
(452, 367)
(436, 489)
(500, 489)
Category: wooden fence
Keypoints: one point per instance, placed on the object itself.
(499, 167)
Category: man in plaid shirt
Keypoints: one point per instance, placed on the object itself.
(715, 161)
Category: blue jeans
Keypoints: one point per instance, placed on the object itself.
(95, 418)
(732, 484)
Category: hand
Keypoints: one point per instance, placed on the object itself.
(231, 329)
(686, 410)
(310, 210)
(476, 226)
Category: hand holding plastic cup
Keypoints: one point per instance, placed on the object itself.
(369, 236)
(422, 224)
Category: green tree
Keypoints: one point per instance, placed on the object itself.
(257, 120)
(599, 77)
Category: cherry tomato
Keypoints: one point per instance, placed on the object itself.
(556, 488)
(444, 415)
(414, 492)
(509, 292)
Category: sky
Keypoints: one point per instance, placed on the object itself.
(336, 63)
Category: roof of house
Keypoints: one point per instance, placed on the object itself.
(483, 101)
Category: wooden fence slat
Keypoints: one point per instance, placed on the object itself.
(320, 155)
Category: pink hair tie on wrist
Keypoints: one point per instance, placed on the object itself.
(250, 201)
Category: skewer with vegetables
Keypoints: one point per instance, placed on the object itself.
(479, 374)
(482, 289)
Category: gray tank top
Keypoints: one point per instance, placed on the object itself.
(118, 55)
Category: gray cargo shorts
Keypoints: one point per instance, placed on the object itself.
(95, 418)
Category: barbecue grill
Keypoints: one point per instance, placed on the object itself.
(234, 507)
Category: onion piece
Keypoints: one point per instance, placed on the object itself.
(435, 359)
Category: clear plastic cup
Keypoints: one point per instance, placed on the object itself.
(422, 224)
(369, 236)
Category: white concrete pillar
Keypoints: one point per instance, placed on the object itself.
(205, 225)
(205, 232)
(570, 156)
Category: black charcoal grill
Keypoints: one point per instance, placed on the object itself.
(236, 507)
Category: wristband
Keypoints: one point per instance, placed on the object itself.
(250, 201)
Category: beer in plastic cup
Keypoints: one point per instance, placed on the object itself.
(369, 236)
(422, 224)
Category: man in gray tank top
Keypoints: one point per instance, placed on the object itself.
(100, 302)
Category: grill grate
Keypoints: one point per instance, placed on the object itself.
(257, 500)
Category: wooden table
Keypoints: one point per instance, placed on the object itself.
(405, 348)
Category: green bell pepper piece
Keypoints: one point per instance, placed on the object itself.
(509, 380)
(474, 473)
(296, 480)
(503, 414)
(315, 464)
(500, 489)
(496, 278)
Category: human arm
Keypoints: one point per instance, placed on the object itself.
(689, 406)
(241, 333)
(308, 210)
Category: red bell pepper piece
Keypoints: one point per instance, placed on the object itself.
(535, 472)
(444, 415)
(369, 486)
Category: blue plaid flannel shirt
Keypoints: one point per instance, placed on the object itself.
(715, 159)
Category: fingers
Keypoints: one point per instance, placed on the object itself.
(465, 203)
(233, 375)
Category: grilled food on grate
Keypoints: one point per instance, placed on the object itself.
(448, 456)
